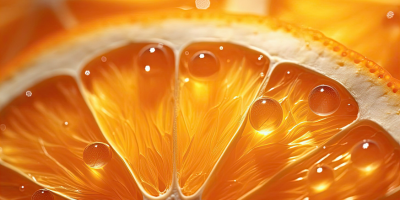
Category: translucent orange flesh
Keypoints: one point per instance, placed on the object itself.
(36, 142)
(349, 180)
(131, 93)
(272, 137)
(259, 155)
(16, 186)
(211, 108)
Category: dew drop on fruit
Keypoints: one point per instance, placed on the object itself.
(21, 188)
(366, 156)
(42, 194)
(261, 60)
(203, 64)
(87, 72)
(266, 115)
(320, 177)
(153, 60)
(324, 100)
(2, 127)
(97, 155)
(390, 15)
(28, 93)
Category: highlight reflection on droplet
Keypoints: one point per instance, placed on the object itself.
(366, 156)
(153, 60)
(320, 177)
(97, 155)
(203, 64)
(324, 100)
(42, 194)
(266, 114)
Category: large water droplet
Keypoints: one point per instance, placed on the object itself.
(42, 194)
(320, 177)
(153, 60)
(266, 114)
(366, 156)
(324, 100)
(97, 155)
(203, 64)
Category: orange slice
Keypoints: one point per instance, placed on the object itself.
(198, 105)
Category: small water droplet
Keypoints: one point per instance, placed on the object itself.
(324, 100)
(262, 74)
(42, 194)
(261, 60)
(186, 52)
(21, 188)
(28, 93)
(87, 72)
(103, 59)
(97, 155)
(390, 15)
(265, 115)
(221, 48)
(203, 64)
(202, 4)
(366, 156)
(66, 123)
(320, 177)
(153, 60)
(3, 127)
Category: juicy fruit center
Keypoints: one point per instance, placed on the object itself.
(225, 103)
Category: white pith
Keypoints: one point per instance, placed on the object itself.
(376, 102)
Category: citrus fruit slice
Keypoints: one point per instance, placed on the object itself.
(197, 105)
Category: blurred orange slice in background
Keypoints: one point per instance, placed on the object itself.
(184, 104)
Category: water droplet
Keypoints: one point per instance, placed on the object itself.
(203, 64)
(266, 115)
(320, 177)
(3, 127)
(366, 155)
(324, 100)
(261, 60)
(97, 155)
(87, 72)
(42, 194)
(21, 188)
(66, 123)
(221, 48)
(186, 52)
(262, 74)
(103, 59)
(153, 60)
(390, 15)
(28, 93)
(202, 4)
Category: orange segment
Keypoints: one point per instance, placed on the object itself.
(16, 186)
(218, 81)
(259, 154)
(44, 136)
(131, 90)
(299, 181)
